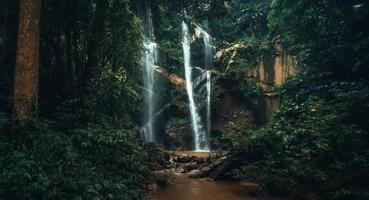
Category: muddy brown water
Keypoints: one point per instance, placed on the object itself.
(184, 188)
(198, 154)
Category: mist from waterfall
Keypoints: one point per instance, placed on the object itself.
(199, 135)
(149, 60)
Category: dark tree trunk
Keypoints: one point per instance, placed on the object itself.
(94, 42)
(68, 38)
(8, 51)
(77, 62)
(26, 76)
(70, 25)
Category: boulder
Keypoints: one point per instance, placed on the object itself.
(152, 187)
(184, 158)
(216, 169)
(190, 167)
(193, 173)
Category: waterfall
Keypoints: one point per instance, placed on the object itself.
(149, 59)
(199, 135)
(209, 50)
(208, 103)
(209, 53)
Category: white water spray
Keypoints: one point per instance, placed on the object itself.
(149, 60)
(200, 138)
(208, 103)
(209, 53)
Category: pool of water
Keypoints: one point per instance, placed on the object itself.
(184, 188)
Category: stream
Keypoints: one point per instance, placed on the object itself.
(184, 188)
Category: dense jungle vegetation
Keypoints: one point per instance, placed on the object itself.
(71, 94)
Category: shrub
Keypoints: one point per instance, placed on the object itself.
(41, 162)
(318, 142)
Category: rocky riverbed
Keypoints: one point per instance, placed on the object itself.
(182, 180)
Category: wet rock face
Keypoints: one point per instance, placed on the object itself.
(273, 69)
(232, 112)
(269, 69)
(232, 107)
(178, 134)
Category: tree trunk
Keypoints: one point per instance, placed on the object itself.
(94, 42)
(68, 38)
(7, 60)
(77, 63)
(26, 75)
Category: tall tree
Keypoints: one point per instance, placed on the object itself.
(26, 75)
(9, 17)
(94, 41)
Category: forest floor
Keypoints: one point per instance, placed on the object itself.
(182, 187)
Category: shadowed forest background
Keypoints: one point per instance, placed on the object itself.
(290, 96)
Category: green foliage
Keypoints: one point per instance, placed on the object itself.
(238, 70)
(114, 99)
(123, 42)
(318, 142)
(98, 162)
(251, 19)
(64, 41)
(325, 35)
(116, 96)
(3, 120)
(237, 127)
(157, 157)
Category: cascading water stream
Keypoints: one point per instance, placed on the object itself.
(209, 53)
(149, 60)
(200, 139)
(208, 103)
